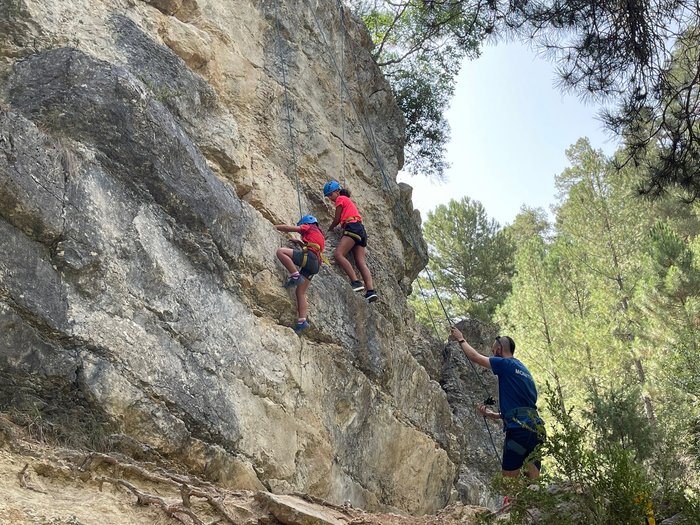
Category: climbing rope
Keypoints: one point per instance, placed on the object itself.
(372, 141)
(474, 370)
(427, 308)
(341, 8)
(364, 124)
(283, 67)
(489, 399)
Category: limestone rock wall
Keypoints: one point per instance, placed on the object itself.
(145, 155)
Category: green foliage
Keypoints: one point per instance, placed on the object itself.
(671, 302)
(420, 47)
(470, 264)
(575, 296)
(616, 417)
(530, 223)
(662, 137)
(532, 315)
(422, 92)
(606, 308)
(640, 58)
(590, 478)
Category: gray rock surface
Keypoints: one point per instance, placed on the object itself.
(144, 159)
(294, 511)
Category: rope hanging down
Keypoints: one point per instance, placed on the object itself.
(364, 124)
(283, 67)
(489, 398)
(371, 139)
(427, 309)
(340, 86)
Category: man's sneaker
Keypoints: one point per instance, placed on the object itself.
(294, 280)
(300, 327)
(357, 286)
(371, 296)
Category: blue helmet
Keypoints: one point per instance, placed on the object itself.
(307, 219)
(330, 186)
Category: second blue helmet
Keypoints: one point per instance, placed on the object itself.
(330, 186)
(307, 219)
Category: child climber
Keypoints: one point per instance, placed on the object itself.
(354, 238)
(307, 257)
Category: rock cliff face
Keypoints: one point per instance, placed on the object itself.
(146, 150)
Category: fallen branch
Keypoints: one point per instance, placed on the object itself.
(187, 480)
(94, 460)
(143, 498)
(207, 491)
(215, 502)
(23, 476)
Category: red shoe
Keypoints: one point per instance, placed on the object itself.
(506, 501)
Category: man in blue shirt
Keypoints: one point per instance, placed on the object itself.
(517, 402)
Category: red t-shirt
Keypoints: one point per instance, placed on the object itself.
(348, 210)
(312, 233)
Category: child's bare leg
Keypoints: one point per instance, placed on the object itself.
(359, 253)
(340, 253)
(302, 303)
(285, 257)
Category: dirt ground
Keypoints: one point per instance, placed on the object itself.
(42, 484)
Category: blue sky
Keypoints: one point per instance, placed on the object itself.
(510, 128)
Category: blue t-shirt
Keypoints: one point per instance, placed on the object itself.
(516, 389)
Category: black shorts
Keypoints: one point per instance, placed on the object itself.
(356, 231)
(518, 445)
(311, 267)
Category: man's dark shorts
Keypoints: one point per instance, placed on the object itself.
(311, 267)
(357, 231)
(518, 445)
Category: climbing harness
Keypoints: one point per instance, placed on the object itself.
(521, 414)
(353, 235)
(351, 219)
(305, 257)
(316, 249)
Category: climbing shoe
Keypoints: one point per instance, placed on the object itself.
(357, 286)
(300, 327)
(371, 296)
(294, 280)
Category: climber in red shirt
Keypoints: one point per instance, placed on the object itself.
(354, 238)
(303, 262)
